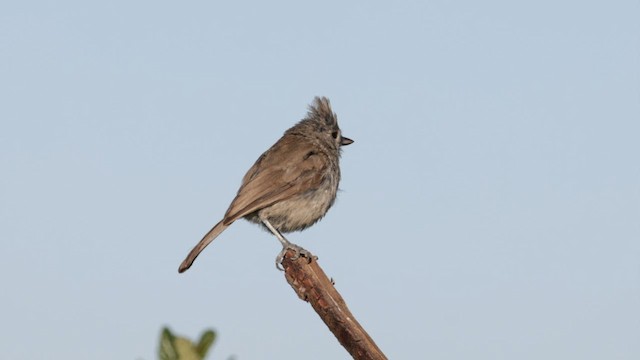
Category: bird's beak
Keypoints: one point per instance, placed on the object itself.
(344, 141)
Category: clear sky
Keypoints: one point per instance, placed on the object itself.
(490, 205)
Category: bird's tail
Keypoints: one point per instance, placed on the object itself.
(206, 240)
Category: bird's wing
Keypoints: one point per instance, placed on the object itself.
(289, 168)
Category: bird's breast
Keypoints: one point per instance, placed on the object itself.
(300, 211)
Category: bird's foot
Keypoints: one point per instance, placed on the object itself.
(298, 252)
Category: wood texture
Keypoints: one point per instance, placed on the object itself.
(311, 284)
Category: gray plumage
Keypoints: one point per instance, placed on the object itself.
(292, 185)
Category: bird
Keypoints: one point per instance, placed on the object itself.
(292, 185)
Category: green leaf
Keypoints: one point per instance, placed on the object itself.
(206, 340)
(167, 349)
(186, 349)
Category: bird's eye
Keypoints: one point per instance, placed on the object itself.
(334, 134)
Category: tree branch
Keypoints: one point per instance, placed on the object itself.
(312, 285)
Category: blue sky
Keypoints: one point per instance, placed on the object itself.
(490, 206)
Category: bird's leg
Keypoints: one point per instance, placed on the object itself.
(286, 244)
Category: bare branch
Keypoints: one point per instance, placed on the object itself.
(312, 285)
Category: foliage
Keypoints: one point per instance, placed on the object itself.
(174, 347)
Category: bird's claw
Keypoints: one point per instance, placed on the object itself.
(298, 252)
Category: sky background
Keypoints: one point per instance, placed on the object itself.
(490, 205)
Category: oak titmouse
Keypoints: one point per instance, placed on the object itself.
(292, 185)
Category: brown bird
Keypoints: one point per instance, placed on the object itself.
(292, 185)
